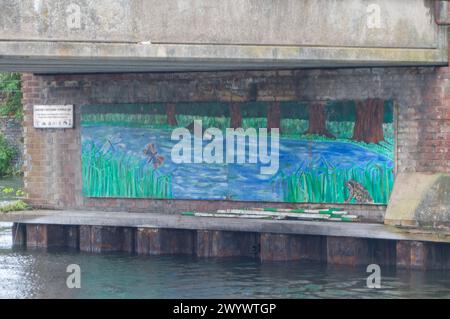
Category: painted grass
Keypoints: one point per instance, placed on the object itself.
(207, 122)
(254, 122)
(326, 184)
(293, 127)
(341, 129)
(119, 119)
(113, 175)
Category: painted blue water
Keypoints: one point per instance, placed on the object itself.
(230, 181)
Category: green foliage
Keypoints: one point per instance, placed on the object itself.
(112, 175)
(8, 190)
(10, 89)
(20, 193)
(9, 193)
(7, 153)
(14, 206)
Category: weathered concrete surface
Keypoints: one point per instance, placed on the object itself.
(434, 209)
(378, 23)
(420, 199)
(24, 215)
(124, 219)
(137, 36)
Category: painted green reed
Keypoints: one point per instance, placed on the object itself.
(326, 183)
(107, 174)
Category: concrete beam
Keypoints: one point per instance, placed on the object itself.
(67, 57)
(345, 23)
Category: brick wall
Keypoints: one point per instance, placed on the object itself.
(52, 157)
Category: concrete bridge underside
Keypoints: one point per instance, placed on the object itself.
(141, 36)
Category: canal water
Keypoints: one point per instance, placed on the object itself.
(40, 274)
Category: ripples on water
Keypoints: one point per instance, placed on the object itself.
(33, 274)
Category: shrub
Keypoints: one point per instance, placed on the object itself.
(7, 153)
(14, 206)
(10, 88)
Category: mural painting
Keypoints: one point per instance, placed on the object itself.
(333, 152)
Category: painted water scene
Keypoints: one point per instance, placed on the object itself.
(306, 152)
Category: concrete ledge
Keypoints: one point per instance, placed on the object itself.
(136, 220)
(24, 215)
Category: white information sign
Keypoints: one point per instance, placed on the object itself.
(53, 116)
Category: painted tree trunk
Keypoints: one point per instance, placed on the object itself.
(318, 120)
(273, 116)
(236, 115)
(170, 112)
(369, 121)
